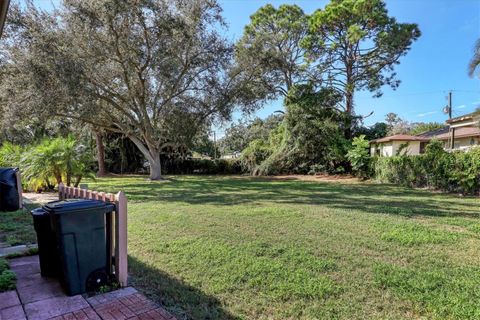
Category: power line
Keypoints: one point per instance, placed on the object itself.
(417, 94)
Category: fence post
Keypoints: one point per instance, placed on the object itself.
(121, 264)
(61, 190)
(19, 189)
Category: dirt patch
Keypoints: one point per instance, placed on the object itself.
(40, 198)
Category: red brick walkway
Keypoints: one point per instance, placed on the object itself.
(37, 298)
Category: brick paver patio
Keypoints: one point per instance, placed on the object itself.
(38, 298)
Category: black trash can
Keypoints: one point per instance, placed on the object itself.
(47, 244)
(9, 197)
(81, 237)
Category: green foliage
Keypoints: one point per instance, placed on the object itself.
(475, 61)
(203, 166)
(308, 140)
(57, 160)
(49, 162)
(449, 171)
(378, 130)
(270, 50)
(402, 149)
(359, 45)
(239, 135)
(359, 157)
(422, 127)
(7, 277)
(10, 155)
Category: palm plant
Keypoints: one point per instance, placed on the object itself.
(475, 62)
(54, 161)
(10, 155)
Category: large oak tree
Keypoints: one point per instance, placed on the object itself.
(154, 71)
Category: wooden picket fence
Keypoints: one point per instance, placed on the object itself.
(118, 223)
(19, 189)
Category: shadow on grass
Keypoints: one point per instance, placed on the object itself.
(183, 300)
(373, 198)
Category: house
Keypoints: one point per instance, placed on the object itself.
(460, 133)
(464, 131)
(392, 145)
(233, 155)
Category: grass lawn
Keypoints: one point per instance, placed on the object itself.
(17, 227)
(255, 248)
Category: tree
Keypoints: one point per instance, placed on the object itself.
(396, 125)
(423, 127)
(270, 49)
(359, 157)
(308, 140)
(239, 135)
(376, 131)
(156, 72)
(475, 62)
(358, 45)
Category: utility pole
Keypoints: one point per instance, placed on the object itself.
(450, 105)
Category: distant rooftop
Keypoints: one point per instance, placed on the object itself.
(463, 117)
(461, 132)
(400, 137)
(434, 133)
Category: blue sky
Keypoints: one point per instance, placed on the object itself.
(436, 63)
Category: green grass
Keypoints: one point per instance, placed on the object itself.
(255, 248)
(7, 277)
(17, 227)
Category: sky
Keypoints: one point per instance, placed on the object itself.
(436, 63)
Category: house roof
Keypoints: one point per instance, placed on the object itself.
(463, 117)
(434, 133)
(3, 14)
(400, 137)
(462, 132)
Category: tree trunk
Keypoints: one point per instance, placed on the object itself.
(155, 167)
(152, 155)
(102, 171)
(349, 114)
(349, 92)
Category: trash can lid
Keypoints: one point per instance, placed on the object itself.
(38, 212)
(74, 205)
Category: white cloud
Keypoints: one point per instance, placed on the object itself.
(475, 102)
(426, 114)
(460, 107)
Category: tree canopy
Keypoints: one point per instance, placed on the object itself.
(358, 45)
(156, 72)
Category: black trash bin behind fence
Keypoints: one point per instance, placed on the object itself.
(81, 236)
(47, 243)
(9, 196)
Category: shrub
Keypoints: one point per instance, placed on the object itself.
(202, 166)
(359, 157)
(49, 162)
(448, 171)
(7, 277)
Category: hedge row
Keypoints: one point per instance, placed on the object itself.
(202, 166)
(448, 171)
